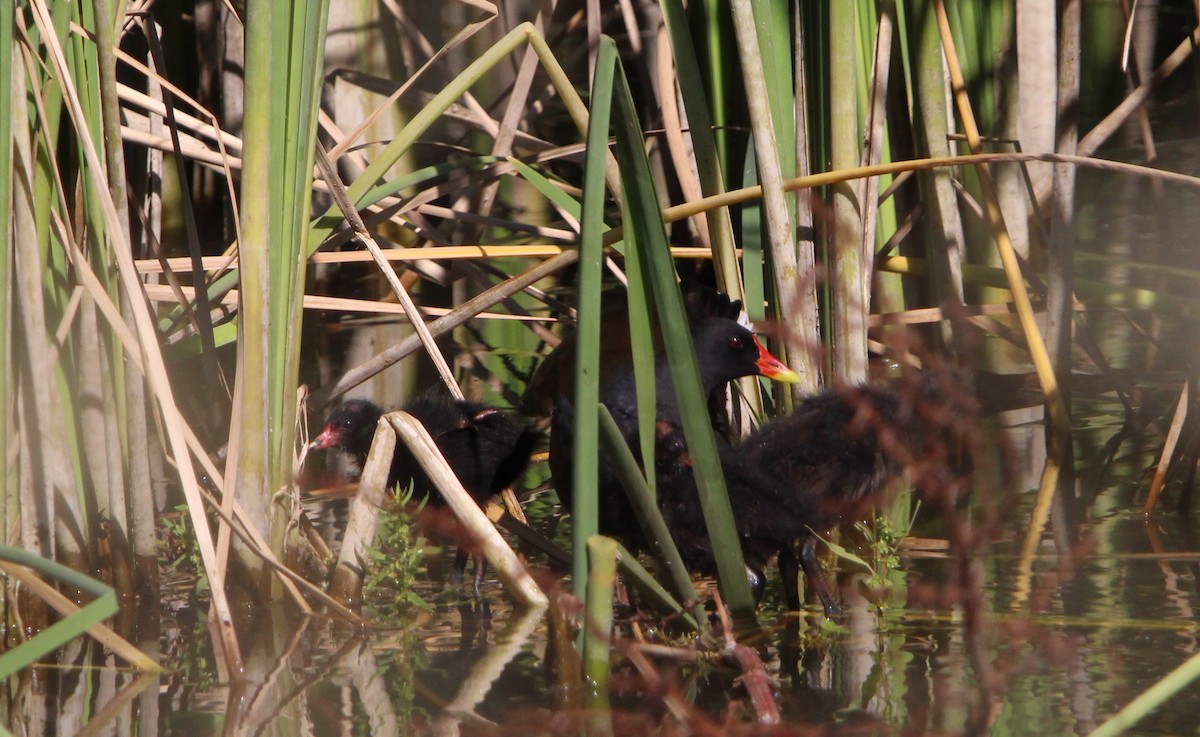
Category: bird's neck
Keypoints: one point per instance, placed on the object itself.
(710, 380)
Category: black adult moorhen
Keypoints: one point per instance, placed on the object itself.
(802, 475)
(555, 375)
(486, 448)
(725, 351)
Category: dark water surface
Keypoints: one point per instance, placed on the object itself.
(1103, 616)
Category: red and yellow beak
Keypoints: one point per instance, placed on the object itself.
(772, 368)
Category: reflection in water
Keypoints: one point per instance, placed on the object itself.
(486, 670)
(1108, 609)
(1097, 637)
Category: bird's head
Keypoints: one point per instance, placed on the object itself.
(350, 427)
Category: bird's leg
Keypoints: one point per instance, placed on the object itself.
(812, 571)
(460, 564)
(480, 570)
(758, 582)
(789, 571)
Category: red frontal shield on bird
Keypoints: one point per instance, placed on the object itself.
(772, 368)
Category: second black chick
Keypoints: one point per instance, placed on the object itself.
(802, 475)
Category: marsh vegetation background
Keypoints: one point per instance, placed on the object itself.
(225, 216)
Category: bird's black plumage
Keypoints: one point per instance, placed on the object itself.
(555, 375)
(804, 474)
(725, 351)
(486, 448)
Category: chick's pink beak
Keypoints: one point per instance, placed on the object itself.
(327, 439)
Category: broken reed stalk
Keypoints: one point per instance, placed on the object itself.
(346, 586)
(602, 576)
(364, 511)
(509, 568)
(1168, 451)
(754, 673)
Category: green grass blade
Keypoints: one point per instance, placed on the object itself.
(430, 113)
(542, 184)
(65, 630)
(704, 143)
(647, 224)
(602, 552)
(1150, 699)
(644, 506)
(587, 379)
(637, 574)
(642, 345)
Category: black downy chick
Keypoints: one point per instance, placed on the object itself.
(486, 448)
(829, 461)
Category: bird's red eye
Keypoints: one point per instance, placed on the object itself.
(347, 423)
(736, 342)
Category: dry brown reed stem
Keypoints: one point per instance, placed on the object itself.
(338, 190)
(780, 234)
(254, 539)
(102, 720)
(162, 293)
(344, 143)
(346, 586)
(687, 655)
(1164, 460)
(291, 580)
(754, 674)
(65, 608)
(671, 697)
(442, 325)
(748, 194)
(869, 199)
(673, 131)
(154, 363)
(508, 566)
(1114, 120)
(441, 253)
(1058, 417)
(1056, 408)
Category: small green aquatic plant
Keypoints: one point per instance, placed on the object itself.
(396, 558)
(882, 542)
(182, 549)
